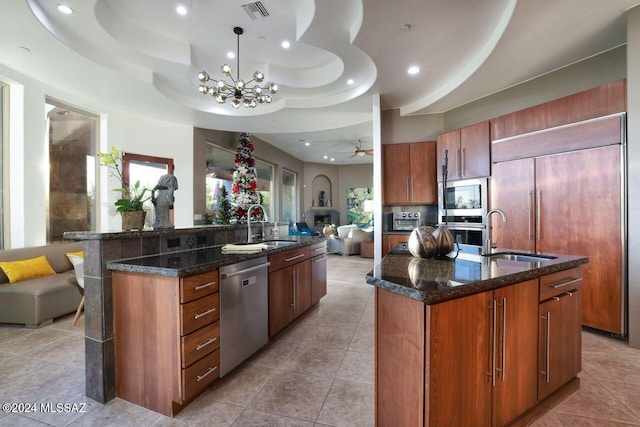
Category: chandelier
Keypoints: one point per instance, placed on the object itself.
(239, 91)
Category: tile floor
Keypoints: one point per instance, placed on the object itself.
(319, 372)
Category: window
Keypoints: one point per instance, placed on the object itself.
(147, 170)
(72, 140)
(220, 166)
(289, 196)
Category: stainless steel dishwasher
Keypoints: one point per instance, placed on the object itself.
(244, 311)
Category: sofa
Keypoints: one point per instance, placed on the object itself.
(36, 302)
(348, 240)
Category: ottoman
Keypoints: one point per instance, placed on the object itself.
(366, 249)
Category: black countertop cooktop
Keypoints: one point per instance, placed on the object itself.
(435, 280)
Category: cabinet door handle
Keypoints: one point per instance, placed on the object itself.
(458, 161)
(407, 187)
(211, 370)
(199, 315)
(463, 162)
(539, 215)
(204, 344)
(547, 351)
(206, 285)
(320, 259)
(531, 220)
(412, 195)
(504, 339)
(293, 288)
(294, 257)
(495, 332)
(568, 282)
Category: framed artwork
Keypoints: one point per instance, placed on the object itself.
(356, 196)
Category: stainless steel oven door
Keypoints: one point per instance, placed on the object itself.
(467, 236)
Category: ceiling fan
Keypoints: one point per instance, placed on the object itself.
(360, 152)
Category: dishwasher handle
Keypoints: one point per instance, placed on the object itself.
(243, 271)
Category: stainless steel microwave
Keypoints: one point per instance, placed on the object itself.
(405, 221)
(463, 202)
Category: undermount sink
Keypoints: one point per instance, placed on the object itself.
(512, 256)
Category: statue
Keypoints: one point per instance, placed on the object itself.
(162, 199)
(321, 199)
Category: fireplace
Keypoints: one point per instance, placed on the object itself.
(317, 218)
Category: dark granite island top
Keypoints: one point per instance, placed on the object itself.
(200, 260)
(434, 280)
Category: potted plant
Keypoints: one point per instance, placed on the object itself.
(131, 198)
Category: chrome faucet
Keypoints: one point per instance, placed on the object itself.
(489, 246)
(264, 211)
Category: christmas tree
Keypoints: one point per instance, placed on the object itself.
(245, 179)
(223, 213)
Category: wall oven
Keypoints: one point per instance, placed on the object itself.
(463, 208)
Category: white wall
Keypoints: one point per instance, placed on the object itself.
(28, 156)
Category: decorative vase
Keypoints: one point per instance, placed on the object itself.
(444, 240)
(133, 220)
(422, 244)
(327, 231)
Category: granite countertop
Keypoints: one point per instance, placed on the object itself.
(433, 280)
(201, 260)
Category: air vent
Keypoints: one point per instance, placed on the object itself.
(255, 10)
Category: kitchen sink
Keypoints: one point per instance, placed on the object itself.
(512, 256)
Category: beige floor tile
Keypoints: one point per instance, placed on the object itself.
(66, 351)
(339, 336)
(274, 354)
(118, 413)
(611, 366)
(627, 394)
(548, 420)
(15, 420)
(592, 400)
(252, 418)
(314, 360)
(11, 332)
(239, 386)
(34, 341)
(357, 367)
(43, 379)
(349, 404)
(578, 421)
(293, 395)
(364, 339)
(203, 413)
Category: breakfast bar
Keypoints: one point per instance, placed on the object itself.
(472, 339)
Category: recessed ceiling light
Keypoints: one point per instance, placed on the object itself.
(65, 9)
(286, 45)
(333, 160)
(350, 81)
(325, 157)
(181, 9)
(413, 70)
(307, 143)
(231, 55)
(405, 27)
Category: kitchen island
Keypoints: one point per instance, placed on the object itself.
(474, 340)
(183, 319)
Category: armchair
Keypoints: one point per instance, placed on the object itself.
(349, 245)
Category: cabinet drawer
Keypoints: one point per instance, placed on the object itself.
(194, 287)
(199, 313)
(198, 344)
(318, 249)
(198, 376)
(291, 257)
(558, 283)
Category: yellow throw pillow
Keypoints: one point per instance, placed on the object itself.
(17, 271)
(75, 257)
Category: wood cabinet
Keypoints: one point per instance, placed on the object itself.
(569, 203)
(390, 241)
(475, 360)
(166, 337)
(490, 367)
(560, 330)
(467, 150)
(409, 173)
(318, 263)
(296, 282)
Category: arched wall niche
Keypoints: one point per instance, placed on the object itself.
(321, 183)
